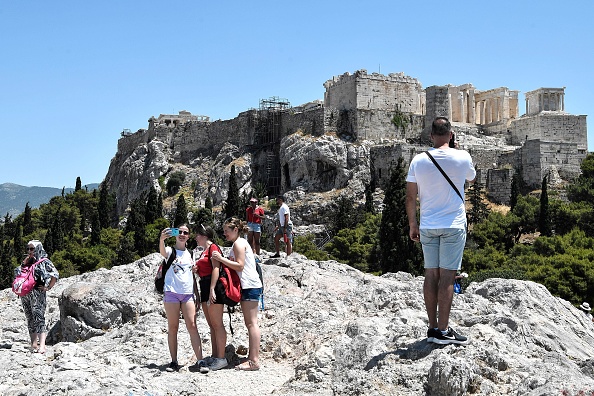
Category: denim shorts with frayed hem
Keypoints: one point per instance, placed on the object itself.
(251, 294)
(443, 247)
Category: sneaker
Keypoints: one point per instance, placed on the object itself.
(275, 256)
(451, 337)
(209, 360)
(199, 366)
(173, 366)
(218, 364)
(431, 334)
(203, 367)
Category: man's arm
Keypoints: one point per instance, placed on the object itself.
(411, 210)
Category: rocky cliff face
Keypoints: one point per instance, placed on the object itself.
(327, 329)
(316, 168)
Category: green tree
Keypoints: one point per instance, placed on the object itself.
(518, 187)
(479, 209)
(27, 221)
(174, 183)
(181, 211)
(152, 206)
(78, 185)
(231, 207)
(397, 252)
(544, 219)
(6, 265)
(95, 230)
(17, 239)
(582, 190)
(345, 215)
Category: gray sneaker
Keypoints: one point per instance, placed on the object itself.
(218, 364)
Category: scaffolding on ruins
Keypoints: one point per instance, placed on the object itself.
(268, 133)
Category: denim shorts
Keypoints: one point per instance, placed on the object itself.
(289, 232)
(443, 247)
(251, 294)
(171, 297)
(254, 227)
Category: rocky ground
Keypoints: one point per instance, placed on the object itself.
(327, 329)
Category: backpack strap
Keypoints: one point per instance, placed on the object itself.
(169, 261)
(445, 175)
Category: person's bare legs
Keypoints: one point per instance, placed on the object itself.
(289, 248)
(256, 245)
(277, 238)
(445, 296)
(189, 311)
(172, 313)
(42, 337)
(250, 239)
(34, 338)
(217, 328)
(250, 318)
(430, 293)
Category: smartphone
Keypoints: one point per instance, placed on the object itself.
(174, 231)
(452, 141)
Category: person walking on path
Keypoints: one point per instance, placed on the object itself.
(284, 229)
(442, 231)
(46, 275)
(179, 295)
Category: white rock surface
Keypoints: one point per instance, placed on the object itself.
(328, 329)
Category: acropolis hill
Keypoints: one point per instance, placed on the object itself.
(375, 118)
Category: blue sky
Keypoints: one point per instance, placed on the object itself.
(74, 74)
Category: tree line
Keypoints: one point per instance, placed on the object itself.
(82, 232)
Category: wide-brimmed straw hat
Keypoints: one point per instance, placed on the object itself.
(585, 306)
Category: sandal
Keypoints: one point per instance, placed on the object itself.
(248, 366)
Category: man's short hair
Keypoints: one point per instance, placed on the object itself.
(441, 126)
(281, 197)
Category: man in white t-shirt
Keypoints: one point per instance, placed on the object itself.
(442, 231)
(284, 229)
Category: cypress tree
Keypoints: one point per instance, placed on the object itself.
(95, 230)
(160, 205)
(544, 218)
(152, 206)
(136, 224)
(479, 209)
(27, 222)
(232, 203)
(103, 207)
(397, 251)
(181, 211)
(78, 184)
(17, 240)
(6, 265)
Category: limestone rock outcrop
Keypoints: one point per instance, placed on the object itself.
(327, 329)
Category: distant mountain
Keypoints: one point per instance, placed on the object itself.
(14, 197)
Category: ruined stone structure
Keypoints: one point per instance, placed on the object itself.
(392, 116)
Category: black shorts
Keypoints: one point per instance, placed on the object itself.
(205, 289)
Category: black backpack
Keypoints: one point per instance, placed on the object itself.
(160, 277)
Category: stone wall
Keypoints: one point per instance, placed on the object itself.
(551, 126)
(499, 185)
(374, 92)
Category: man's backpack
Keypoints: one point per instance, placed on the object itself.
(25, 282)
(228, 287)
(160, 277)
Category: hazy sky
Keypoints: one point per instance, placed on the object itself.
(74, 74)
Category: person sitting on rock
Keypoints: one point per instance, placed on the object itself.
(586, 308)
